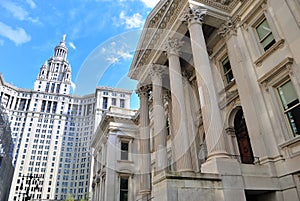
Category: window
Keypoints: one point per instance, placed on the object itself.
(104, 105)
(105, 93)
(122, 103)
(124, 150)
(265, 35)
(291, 105)
(123, 188)
(228, 75)
(114, 101)
(168, 125)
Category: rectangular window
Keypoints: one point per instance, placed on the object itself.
(104, 105)
(122, 103)
(123, 188)
(114, 101)
(124, 150)
(291, 105)
(228, 75)
(265, 35)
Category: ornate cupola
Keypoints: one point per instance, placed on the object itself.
(61, 49)
(55, 74)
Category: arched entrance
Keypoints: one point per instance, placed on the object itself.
(243, 139)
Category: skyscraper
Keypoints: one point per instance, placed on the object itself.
(51, 131)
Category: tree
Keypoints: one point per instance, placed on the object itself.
(70, 198)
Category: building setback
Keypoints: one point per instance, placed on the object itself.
(219, 118)
(52, 129)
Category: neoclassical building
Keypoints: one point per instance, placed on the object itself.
(115, 165)
(219, 89)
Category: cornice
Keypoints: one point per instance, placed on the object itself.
(224, 5)
(161, 21)
(158, 23)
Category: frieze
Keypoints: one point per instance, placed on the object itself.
(225, 5)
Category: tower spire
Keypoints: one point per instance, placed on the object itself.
(64, 38)
(55, 74)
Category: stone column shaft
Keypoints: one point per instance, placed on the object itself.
(159, 117)
(182, 155)
(144, 141)
(212, 120)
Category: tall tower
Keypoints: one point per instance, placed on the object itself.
(55, 74)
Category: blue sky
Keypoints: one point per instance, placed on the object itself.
(101, 37)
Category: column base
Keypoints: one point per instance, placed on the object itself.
(222, 166)
(217, 154)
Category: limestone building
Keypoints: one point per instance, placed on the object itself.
(6, 152)
(115, 164)
(219, 91)
(52, 129)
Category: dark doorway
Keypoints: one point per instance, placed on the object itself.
(243, 139)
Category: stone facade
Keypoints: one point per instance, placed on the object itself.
(219, 89)
(114, 146)
(6, 153)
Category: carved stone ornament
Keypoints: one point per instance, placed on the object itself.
(157, 70)
(227, 27)
(173, 45)
(144, 89)
(194, 15)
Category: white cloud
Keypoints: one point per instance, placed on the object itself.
(150, 3)
(116, 55)
(71, 44)
(73, 85)
(112, 59)
(134, 21)
(31, 4)
(124, 54)
(18, 35)
(17, 11)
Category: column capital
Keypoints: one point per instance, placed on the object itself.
(172, 46)
(157, 70)
(194, 15)
(228, 28)
(143, 89)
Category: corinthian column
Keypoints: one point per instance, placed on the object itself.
(181, 143)
(159, 116)
(212, 120)
(144, 141)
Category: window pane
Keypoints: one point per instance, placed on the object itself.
(227, 70)
(263, 29)
(291, 105)
(124, 151)
(268, 42)
(265, 35)
(288, 95)
(294, 118)
(124, 189)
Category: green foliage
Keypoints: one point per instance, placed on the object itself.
(70, 198)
